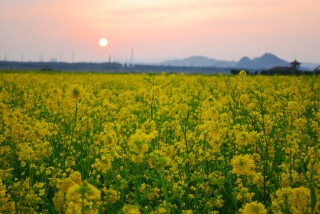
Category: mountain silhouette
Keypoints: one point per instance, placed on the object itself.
(200, 61)
(266, 61)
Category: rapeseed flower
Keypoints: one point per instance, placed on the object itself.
(111, 195)
(75, 92)
(242, 73)
(130, 209)
(82, 198)
(122, 131)
(243, 165)
(139, 142)
(254, 208)
(6, 202)
(295, 200)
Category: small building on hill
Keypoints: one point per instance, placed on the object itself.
(295, 65)
(285, 70)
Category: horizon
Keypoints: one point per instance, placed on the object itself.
(154, 61)
(145, 31)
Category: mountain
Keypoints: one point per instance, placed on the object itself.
(199, 61)
(266, 61)
(245, 62)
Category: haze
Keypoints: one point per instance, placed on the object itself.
(59, 30)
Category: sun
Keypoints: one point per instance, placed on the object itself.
(103, 42)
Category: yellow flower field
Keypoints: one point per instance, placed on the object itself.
(147, 143)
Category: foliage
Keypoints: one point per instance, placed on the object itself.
(138, 143)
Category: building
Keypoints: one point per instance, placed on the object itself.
(295, 65)
(285, 70)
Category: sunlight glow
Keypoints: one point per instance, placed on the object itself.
(103, 42)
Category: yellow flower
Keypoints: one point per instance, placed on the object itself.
(112, 195)
(242, 73)
(80, 198)
(76, 177)
(137, 158)
(254, 208)
(133, 210)
(157, 161)
(139, 142)
(91, 192)
(73, 193)
(42, 192)
(6, 203)
(130, 209)
(244, 194)
(87, 190)
(244, 98)
(243, 165)
(59, 201)
(75, 92)
(297, 200)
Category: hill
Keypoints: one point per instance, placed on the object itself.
(266, 61)
(199, 61)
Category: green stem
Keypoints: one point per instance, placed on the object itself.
(165, 192)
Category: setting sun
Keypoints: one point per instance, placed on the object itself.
(103, 42)
(159, 30)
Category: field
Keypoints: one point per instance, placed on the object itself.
(147, 143)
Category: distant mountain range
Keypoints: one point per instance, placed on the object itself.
(266, 61)
(200, 61)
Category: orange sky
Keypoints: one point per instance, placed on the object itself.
(159, 29)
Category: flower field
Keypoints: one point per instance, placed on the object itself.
(147, 143)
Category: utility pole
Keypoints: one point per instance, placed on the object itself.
(132, 58)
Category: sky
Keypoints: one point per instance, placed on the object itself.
(154, 30)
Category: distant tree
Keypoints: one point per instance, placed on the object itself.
(298, 72)
(235, 71)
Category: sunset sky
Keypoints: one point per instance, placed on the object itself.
(33, 30)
